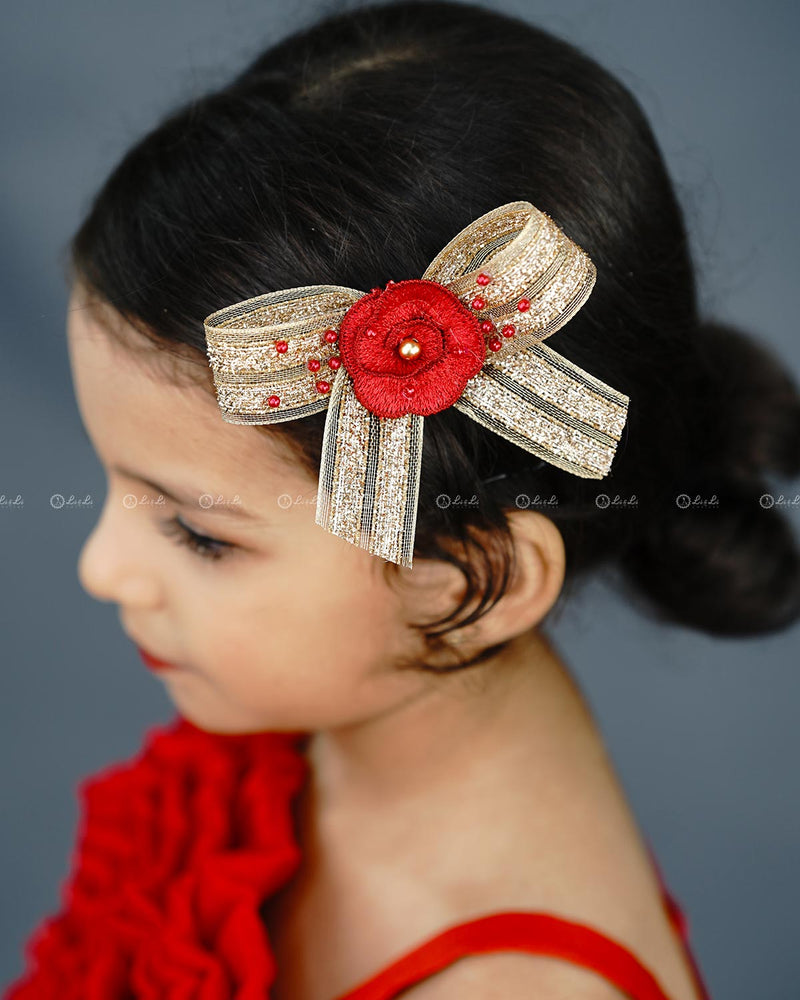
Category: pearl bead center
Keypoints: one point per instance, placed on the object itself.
(409, 348)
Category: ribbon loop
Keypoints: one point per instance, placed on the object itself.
(530, 261)
(243, 349)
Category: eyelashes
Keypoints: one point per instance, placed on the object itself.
(204, 546)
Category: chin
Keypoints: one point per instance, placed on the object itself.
(222, 723)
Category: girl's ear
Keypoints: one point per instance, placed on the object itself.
(536, 581)
(435, 587)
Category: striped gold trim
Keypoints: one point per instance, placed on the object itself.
(369, 475)
(528, 256)
(541, 402)
(247, 366)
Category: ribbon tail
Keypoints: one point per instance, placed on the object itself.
(543, 403)
(369, 475)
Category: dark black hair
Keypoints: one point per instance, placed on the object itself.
(351, 152)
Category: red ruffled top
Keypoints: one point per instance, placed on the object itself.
(178, 850)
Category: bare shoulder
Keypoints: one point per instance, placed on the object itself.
(514, 976)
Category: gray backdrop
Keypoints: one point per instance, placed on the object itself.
(703, 730)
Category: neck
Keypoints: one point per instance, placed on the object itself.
(515, 715)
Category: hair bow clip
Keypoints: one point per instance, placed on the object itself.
(468, 334)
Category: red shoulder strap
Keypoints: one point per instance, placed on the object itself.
(539, 933)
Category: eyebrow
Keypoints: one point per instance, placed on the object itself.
(188, 498)
(185, 498)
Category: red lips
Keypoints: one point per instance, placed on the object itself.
(151, 662)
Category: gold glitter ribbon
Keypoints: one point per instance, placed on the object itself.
(259, 352)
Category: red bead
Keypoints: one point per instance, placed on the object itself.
(330, 336)
(281, 346)
(377, 288)
(322, 385)
(371, 333)
(495, 344)
(478, 302)
(313, 365)
(409, 390)
(274, 401)
(487, 326)
(509, 330)
(390, 282)
(334, 362)
(483, 279)
(523, 305)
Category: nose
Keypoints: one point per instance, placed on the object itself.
(113, 564)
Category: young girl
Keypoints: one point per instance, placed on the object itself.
(382, 778)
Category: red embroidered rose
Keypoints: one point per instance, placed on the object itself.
(410, 348)
(176, 853)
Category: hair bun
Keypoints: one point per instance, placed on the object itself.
(752, 406)
(722, 557)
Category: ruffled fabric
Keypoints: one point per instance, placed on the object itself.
(176, 851)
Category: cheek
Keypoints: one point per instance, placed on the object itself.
(307, 636)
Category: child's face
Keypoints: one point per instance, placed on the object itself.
(292, 628)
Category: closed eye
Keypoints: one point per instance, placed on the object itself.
(202, 545)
